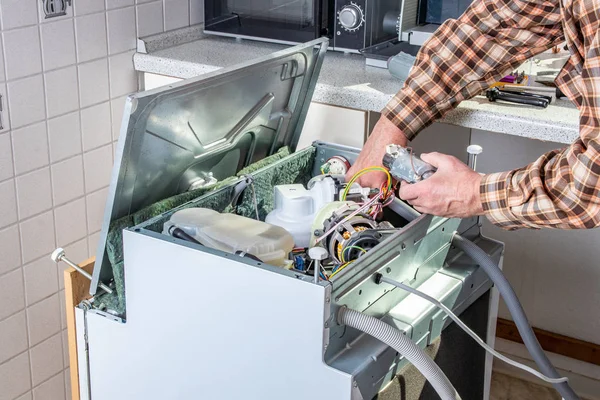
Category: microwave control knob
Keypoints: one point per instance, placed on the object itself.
(351, 17)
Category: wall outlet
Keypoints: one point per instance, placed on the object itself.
(55, 8)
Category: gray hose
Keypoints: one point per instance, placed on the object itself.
(517, 312)
(403, 345)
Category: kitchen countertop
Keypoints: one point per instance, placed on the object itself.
(346, 81)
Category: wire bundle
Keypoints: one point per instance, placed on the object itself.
(386, 191)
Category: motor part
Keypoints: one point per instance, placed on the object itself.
(405, 166)
(379, 278)
(231, 233)
(337, 215)
(516, 311)
(402, 344)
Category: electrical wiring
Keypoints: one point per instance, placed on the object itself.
(351, 247)
(338, 270)
(464, 327)
(388, 187)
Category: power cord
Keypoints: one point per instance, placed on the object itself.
(379, 278)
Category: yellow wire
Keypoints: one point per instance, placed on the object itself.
(361, 173)
(339, 269)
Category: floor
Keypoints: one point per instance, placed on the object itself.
(505, 387)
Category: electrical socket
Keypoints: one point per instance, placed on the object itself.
(55, 8)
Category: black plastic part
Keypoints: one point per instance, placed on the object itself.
(388, 160)
(180, 234)
(378, 277)
(495, 94)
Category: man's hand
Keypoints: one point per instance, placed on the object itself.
(384, 133)
(452, 191)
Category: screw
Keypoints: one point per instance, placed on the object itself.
(354, 384)
(473, 151)
(327, 300)
(388, 270)
(403, 246)
(59, 255)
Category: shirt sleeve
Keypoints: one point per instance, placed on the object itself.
(465, 56)
(561, 189)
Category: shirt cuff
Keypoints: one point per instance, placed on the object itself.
(495, 201)
(408, 112)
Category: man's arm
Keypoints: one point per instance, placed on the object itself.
(465, 56)
(561, 189)
(460, 60)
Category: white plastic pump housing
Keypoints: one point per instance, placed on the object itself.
(296, 207)
(232, 233)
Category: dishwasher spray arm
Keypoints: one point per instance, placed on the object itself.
(405, 166)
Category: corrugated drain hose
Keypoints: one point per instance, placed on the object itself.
(403, 345)
(517, 312)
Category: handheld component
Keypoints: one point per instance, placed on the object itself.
(405, 166)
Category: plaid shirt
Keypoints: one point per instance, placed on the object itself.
(561, 189)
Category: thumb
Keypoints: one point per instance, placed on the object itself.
(436, 159)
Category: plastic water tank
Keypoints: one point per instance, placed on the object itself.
(296, 207)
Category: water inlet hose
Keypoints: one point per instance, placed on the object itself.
(516, 311)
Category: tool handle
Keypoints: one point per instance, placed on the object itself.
(494, 95)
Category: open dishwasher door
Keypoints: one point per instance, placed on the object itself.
(188, 320)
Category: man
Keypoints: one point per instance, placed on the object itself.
(561, 189)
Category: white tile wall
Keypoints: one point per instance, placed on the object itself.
(26, 101)
(93, 82)
(30, 146)
(11, 294)
(96, 126)
(121, 30)
(67, 180)
(41, 280)
(70, 222)
(34, 193)
(177, 14)
(58, 44)
(15, 377)
(98, 166)
(2, 76)
(46, 359)
(52, 389)
(91, 37)
(150, 18)
(10, 248)
(95, 209)
(8, 211)
(63, 82)
(17, 13)
(64, 135)
(22, 49)
(37, 237)
(44, 319)
(6, 160)
(4, 99)
(122, 75)
(62, 93)
(83, 7)
(13, 333)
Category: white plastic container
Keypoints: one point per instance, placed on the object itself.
(295, 207)
(231, 233)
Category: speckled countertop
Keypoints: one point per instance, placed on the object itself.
(346, 81)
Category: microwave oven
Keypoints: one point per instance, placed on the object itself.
(350, 25)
